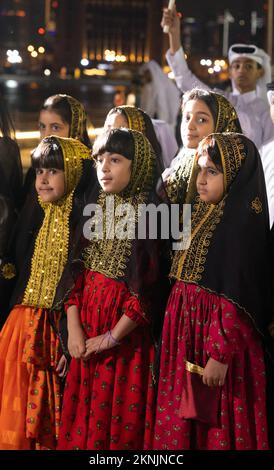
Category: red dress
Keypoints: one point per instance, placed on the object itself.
(199, 325)
(29, 383)
(108, 400)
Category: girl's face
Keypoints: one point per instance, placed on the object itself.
(51, 123)
(50, 184)
(115, 120)
(113, 172)
(272, 109)
(210, 180)
(197, 123)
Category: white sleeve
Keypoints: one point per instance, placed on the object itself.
(268, 128)
(267, 156)
(184, 78)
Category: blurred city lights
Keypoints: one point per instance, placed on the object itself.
(34, 54)
(112, 56)
(84, 62)
(11, 84)
(92, 72)
(30, 48)
(217, 68)
(47, 72)
(93, 132)
(109, 55)
(14, 56)
(41, 50)
(105, 66)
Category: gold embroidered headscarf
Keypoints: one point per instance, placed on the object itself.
(135, 118)
(110, 256)
(52, 242)
(181, 184)
(139, 120)
(78, 118)
(188, 264)
(227, 118)
(78, 114)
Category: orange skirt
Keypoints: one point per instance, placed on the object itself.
(29, 385)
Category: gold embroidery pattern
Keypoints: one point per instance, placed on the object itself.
(194, 368)
(51, 245)
(257, 206)
(8, 270)
(74, 152)
(189, 264)
(227, 117)
(142, 167)
(177, 184)
(78, 118)
(135, 118)
(109, 256)
(50, 255)
(232, 152)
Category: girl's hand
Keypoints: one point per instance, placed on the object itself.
(76, 342)
(99, 343)
(214, 373)
(172, 20)
(62, 367)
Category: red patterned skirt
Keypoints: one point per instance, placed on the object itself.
(199, 325)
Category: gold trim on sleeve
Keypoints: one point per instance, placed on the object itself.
(194, 368)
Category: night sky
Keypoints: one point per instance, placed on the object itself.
(207, 8)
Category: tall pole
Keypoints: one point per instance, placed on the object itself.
(270, 19)
(228, 18)
(47, 13)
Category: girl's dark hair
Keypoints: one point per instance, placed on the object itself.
(60, 105)
(206, 97)
(115, 141)
(48, 154)
(6, 124)
(210, 146)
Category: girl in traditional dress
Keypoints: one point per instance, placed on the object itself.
(212, 387)
(108, 400)
(29, 347)
(64, 116)
(60, 115)
(203, 112)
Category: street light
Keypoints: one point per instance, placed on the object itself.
(228, 18)
(14, 56)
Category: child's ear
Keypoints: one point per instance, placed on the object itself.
(261, 72)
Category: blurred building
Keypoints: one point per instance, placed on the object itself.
(69, 36)
(108, 30)
(20, 23)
